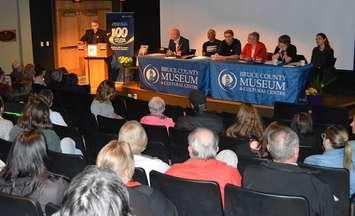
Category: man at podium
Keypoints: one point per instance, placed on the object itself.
(94, 35)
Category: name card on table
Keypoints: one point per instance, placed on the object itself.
(92, 50)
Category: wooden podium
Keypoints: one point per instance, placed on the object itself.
(95, 61)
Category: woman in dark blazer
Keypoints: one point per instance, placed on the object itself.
(285, 51)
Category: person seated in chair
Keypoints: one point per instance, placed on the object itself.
(283, 176)
(5, 125)
(117, 156)
(203, 165)
(133, 133)
(156, 107)
(178, 45)
(322, 61)
(96, 191)
(200, 117)
(211, 46)
(25, 173)
(254, 50)
(338, 152)
(285, 51)
(229, 49)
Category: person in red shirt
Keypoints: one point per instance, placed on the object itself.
(254, 50)
(202, 165)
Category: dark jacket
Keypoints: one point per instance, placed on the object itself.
(184, 46)
(291, 52)
(200, 119)
(93, 38)
(47, 188)
(272, 177)
(146, 201)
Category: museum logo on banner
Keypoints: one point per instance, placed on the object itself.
(151, 74)
(262, 83)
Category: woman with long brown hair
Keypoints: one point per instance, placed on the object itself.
(338, 152)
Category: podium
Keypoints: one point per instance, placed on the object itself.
(95, 63)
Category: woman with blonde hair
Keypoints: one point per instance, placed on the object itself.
(102, 105)
(117, 156)
(247, 126)
(338, 152)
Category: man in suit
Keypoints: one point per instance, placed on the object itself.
(94, 35)
(178, 45)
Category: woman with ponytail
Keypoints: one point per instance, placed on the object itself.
(338, 152)
(25, 173)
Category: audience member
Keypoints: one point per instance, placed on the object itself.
(254, 50)
(134, 134)
(202, 165)
(117, 156)
(5, 125)
(229, 49)
(211, 46)
(285, 51)
(178, 45)
(102, 105)
(96, 192)
(283, 176)
(248, 127)
(46, 95)
(4, 85)
(39, 76)
(338, 152)
(156, 107)
(200, 117)
(25, 173)
(36, 116)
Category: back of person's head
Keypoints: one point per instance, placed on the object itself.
(248, 124)
(46, 95)
(156, 105)
(96, 192)
(283, 145)
(285, 39)
(134, 134)
(39, 71)
(203, 144)
(338, 137)
(198, 100)
(27, 155)
(269, 129)
(35, 116)
(302, 124)
(117, 156)
(105, 91)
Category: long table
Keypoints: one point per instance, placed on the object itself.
(258, 84)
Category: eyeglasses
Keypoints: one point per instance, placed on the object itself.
(323, 135)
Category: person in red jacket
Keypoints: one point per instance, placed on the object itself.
(254, 50)
(203, 165)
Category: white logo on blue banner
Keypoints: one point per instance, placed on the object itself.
(151, 74)
(227, 80)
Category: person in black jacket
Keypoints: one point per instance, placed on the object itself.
(145, 201)
(94, 35)
(178, 45)
(283, 176)
(323, 61)
(199, 117)
(285, 51)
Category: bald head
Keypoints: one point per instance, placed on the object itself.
(174, 34)
(203, 144)
(211, 34)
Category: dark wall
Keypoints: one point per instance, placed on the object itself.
(42, 24)
(147, 21)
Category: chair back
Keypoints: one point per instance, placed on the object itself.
(19, 206)
(245, 161)
(5, 147)
(241, 201)
(136, 109)
(157, 133)
(109, 125)
(73, 133)
(191, 197)
(140, 176)
(65, 164)
(95, 141)
(51, 208)
(338, 180)
(178, 145)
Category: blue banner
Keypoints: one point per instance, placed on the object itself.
(173, 75)
(258, 84)
(120, 26)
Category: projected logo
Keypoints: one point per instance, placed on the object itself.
(227, 80)
(151, 74)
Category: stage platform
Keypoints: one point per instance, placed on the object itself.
(223, 105)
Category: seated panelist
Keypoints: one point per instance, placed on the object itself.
(178, 45)
(254, 50)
